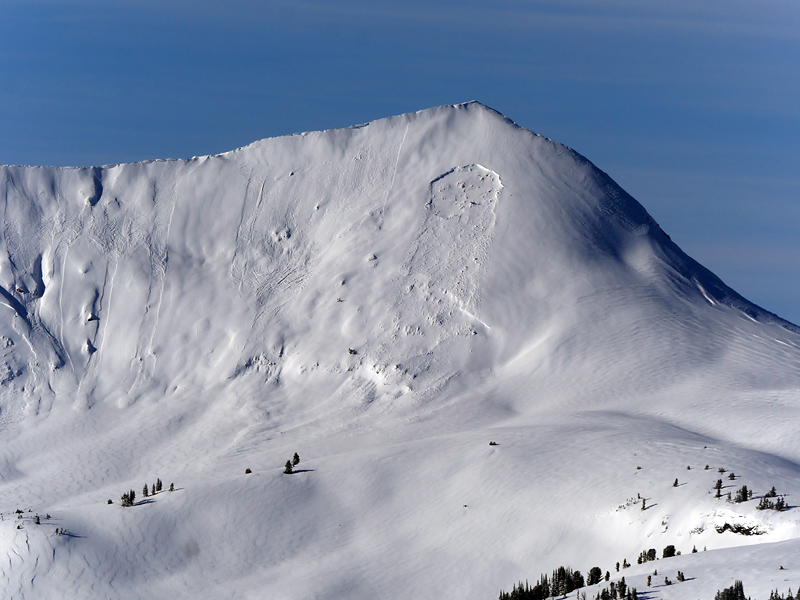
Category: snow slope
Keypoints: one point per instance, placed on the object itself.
(385, 300)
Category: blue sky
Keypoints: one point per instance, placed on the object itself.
(695, 110)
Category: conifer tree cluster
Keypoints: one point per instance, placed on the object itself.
(646, 556)
(288, 468)
(617, 591)
(766, 504)
(153, 489)
(128, 498)
(775, 595)
(743, 494)
(735, 592)
(563, 581)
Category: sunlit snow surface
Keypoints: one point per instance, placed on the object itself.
(384, 300)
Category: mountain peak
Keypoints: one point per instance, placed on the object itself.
(384, 300)
(479, 238)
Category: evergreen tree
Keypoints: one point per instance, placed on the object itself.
(594, 576)
(287, 468)
(743, 494)
(669, 551)
(144, 491)
(649, 580)
(171, 487)
(675, 483)
(158, 485)
(153, 490)
(577, 580)
(731, 476)
(295, 459)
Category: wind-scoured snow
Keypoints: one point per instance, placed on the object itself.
(384, 300)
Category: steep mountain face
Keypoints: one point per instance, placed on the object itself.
(438, 245)
(431, 274)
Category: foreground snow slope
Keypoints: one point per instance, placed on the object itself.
(384, 300)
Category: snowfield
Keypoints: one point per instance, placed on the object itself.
(384, 300)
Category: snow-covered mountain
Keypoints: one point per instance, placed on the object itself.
(384, 300)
